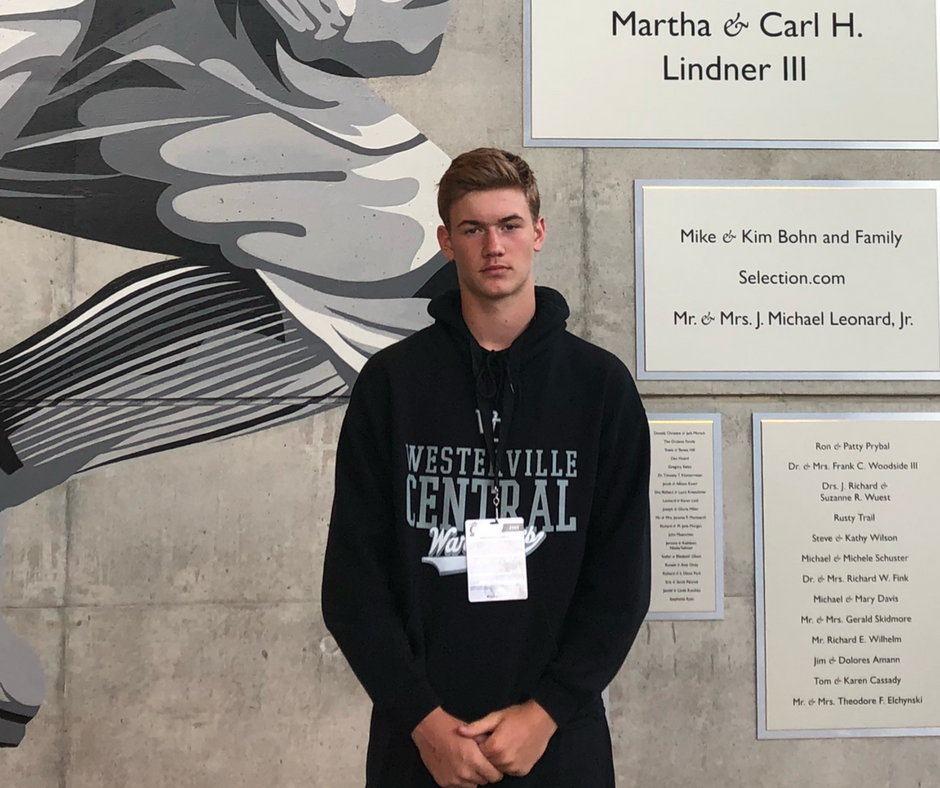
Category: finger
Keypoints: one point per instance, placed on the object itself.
(496, 758)
(468, 776)
(487, 772)
(485, 725)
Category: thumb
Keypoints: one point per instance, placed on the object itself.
(482, 726)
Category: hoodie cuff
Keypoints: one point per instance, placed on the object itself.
(420, 701)
(560, 703)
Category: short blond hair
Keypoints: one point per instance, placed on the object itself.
(485, 169)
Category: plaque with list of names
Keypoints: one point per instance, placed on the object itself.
(846, 549)
(685, 517)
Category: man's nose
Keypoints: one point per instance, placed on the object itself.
(493, 245)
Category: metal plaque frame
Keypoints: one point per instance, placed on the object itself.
(643, 374)
(718, 613)
(762, 732)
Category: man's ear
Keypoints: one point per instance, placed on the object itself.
(539, 234)
(443, 239)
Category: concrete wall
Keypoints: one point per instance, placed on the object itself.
(174, 599)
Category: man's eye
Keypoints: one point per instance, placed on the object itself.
(511, 227)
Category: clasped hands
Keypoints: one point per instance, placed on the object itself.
(509, 741)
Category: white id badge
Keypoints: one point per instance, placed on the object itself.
(496, 563)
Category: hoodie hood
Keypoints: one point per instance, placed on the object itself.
(551, 315)
(497, 373)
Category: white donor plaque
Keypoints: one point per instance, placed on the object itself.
(847, 550)
(685, 517)
(496, 560)
(787, 280)
(712, 73)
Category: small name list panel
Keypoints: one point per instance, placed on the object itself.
(685, 515)
(847, 550)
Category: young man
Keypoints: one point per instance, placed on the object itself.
(495, 411)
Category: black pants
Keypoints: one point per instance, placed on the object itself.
(578, 756)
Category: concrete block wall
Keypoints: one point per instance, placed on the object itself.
(174, 599)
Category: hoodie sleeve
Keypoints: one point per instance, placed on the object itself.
(613, 591)
(359, 606)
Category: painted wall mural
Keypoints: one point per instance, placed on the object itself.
(239, 138)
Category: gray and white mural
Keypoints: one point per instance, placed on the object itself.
(239, 138)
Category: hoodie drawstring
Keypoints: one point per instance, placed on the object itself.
(495, 394)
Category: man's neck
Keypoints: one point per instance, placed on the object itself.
(496, 324)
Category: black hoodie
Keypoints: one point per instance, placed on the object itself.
(412, 465)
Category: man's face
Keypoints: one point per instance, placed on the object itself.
(492, 239)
